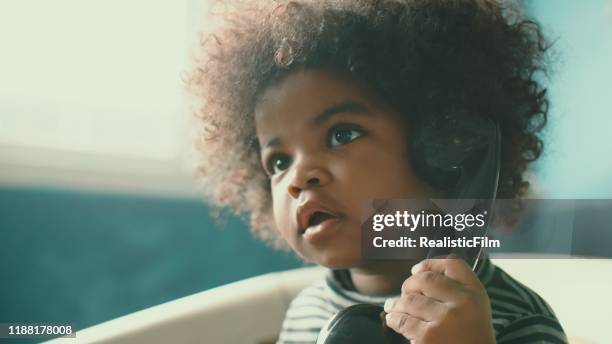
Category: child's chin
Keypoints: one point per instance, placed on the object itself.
(337, 261)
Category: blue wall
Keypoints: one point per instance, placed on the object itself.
(578, 151)
(85, 258)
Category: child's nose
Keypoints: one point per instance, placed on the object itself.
(308, 176)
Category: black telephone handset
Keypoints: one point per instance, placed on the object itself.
(461, 156)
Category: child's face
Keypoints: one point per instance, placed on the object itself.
(330, 142)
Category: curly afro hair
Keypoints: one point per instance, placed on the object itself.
(422, 57)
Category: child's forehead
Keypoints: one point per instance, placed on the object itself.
(302, 109)
(311, 92)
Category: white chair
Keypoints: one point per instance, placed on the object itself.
(251, 311)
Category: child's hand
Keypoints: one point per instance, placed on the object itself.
(442, 302)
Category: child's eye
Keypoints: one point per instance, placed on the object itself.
(277, 163)
(343, 134)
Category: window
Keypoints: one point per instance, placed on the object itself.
(94, 87)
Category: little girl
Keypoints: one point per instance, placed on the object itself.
(307, 110)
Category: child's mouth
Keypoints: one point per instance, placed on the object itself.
(314, 220)
(318, 217)
(319, 224)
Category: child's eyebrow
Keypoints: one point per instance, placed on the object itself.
(348, 106)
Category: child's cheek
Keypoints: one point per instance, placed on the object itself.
(281, 208)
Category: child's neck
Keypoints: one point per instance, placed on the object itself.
(383, 277)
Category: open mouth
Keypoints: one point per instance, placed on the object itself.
(312, 217)
(317, 217)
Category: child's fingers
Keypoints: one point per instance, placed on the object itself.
(417, 305)
(432, 284)
(408, 326)
(453, 268)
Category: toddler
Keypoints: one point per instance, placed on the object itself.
(307, 110)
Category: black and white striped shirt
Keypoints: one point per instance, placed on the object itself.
(519, 315)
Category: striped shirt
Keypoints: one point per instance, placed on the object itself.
(519, 315)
